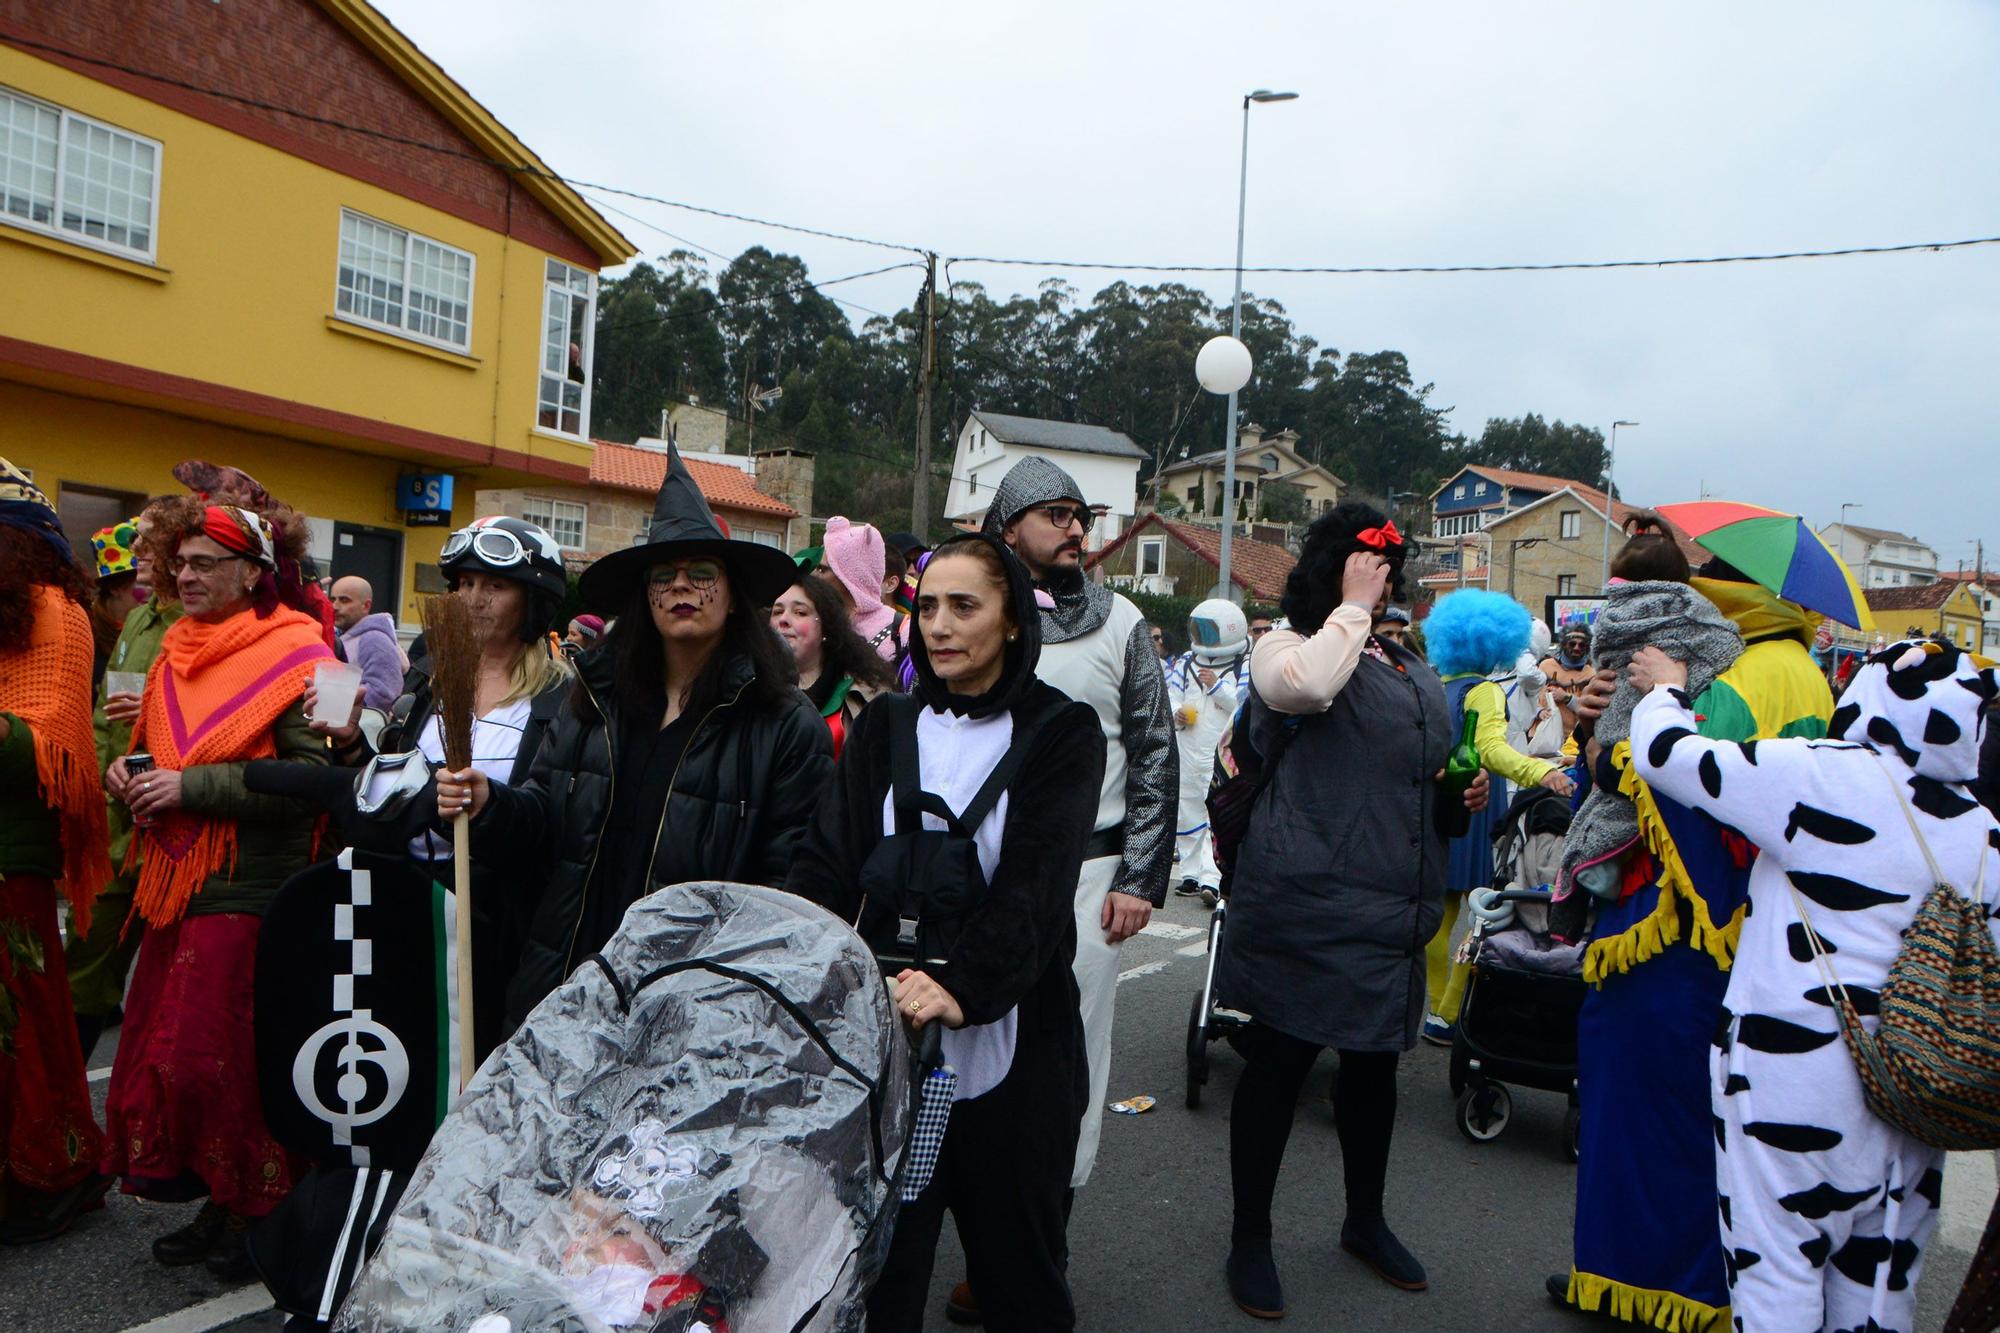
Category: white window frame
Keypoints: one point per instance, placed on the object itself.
(406, 309)
(1479, 488)
(1153, 553)
(543, 510)
(68, 121)
(550, 289)
(1458, 491)
(1572, 525)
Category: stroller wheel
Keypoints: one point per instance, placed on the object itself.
(1483, 1111)
(1197, 1052)
(1573, 1134)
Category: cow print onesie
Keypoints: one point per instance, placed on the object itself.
(1826, 1208)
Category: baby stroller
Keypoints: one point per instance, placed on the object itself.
(1517, 1024)
(705, 1127)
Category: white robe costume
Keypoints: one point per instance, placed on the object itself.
(1825, 1207)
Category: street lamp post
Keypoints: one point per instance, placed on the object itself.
(1236, 332)
(1610, 503)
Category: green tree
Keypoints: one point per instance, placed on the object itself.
(1530, 444)
(658, 342)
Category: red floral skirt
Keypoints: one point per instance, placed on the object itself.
(48, 1139)
(184, 1099)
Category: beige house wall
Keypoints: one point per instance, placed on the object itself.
(1539, 569)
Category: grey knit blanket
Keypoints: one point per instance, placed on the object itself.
(1671, 616)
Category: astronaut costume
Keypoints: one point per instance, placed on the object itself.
(1221, 638)
(1826, 1209)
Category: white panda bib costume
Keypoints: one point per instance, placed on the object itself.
(1826, 1208)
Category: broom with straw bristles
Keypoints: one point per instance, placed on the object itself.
(454, 654)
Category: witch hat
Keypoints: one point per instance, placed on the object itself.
(683, 525)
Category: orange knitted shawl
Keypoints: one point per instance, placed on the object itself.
(211, 697)
(47, 685)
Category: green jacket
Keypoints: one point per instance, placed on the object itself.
(273, 834)
(138, 644)
(30, 837)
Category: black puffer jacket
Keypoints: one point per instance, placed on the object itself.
(746, 788)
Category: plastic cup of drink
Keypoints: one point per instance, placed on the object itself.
(124, 682)
(336, 684)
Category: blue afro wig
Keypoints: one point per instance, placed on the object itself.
(1477, 632)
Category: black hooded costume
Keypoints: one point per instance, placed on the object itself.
(1005, 1164)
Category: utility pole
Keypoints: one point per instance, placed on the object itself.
(920, 491)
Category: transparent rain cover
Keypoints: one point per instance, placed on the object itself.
(702, 1133)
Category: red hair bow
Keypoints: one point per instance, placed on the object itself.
(1377, 538)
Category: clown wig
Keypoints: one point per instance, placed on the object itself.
(1313, 588)
(1475, 632)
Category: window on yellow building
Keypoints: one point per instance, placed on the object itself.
(562, 519)
(568, 319)
(1572, 524)
(77, 178)
(403, 282)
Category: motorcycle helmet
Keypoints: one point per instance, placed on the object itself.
(517, 550)
(1218, 632)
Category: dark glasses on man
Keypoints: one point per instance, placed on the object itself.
(1064, 515)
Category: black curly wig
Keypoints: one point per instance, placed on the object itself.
(1312, 589)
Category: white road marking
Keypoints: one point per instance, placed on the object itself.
(218, 1313)
(1145, 969)
(99, 1075)
(1970, 1184)
(1199, 949)
(1168, 930)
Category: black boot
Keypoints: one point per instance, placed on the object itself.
(1370, 1240)
(54, 1212)
(230, 1259)
(191, 1244)
(1253, 1279)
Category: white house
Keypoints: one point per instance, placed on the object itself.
(1881, 559)
(1104, 462)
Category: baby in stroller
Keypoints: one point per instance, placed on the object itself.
(1511, 920)
(702, 1129)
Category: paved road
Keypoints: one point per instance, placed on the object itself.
(1148, 1235)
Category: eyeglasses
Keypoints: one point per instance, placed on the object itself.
(1158, 637)
(496, 546)
(1064, 515)
(200, 564)
(1259, 631)
(700, 573)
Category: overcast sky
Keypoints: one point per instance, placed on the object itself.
(1425, 133)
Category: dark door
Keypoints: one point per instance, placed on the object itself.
(85, 510)
(375, 554)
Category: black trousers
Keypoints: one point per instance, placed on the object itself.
(1260, 1123)
(1004, 1175)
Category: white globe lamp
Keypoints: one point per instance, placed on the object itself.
(1222, 365)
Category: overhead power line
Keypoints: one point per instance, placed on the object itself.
(1121, 266)
(1554, 267)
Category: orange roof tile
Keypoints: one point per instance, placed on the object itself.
(1259, 568)
(627, 468)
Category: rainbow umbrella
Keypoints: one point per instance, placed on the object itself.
(1777, 550)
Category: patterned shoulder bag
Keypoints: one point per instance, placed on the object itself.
(1932, 1067)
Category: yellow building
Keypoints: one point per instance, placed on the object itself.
(1949, 607)
(274, 234)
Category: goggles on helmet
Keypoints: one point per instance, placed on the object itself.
(497, 547)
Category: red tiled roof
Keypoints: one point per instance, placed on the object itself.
(1913, 597)
(631, 469)
(1259, 568)
(1449, 578)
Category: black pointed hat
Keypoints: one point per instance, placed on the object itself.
(683, 525)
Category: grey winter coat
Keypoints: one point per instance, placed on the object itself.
(1340, 880)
